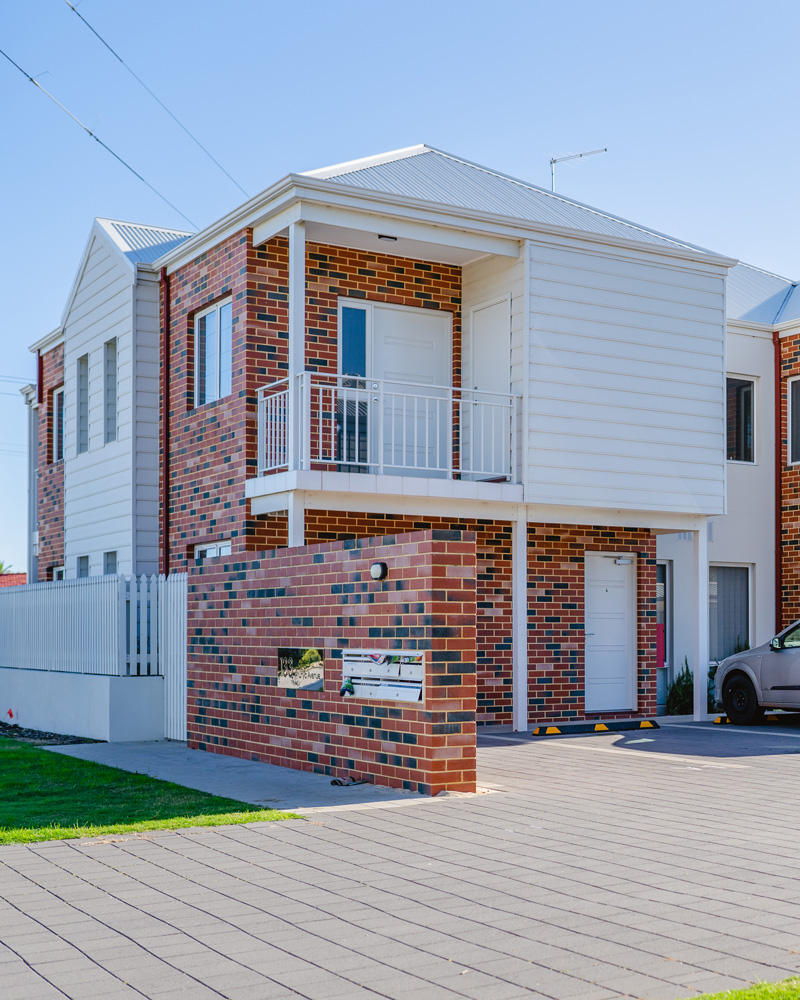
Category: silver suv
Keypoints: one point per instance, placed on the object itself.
(766, 676)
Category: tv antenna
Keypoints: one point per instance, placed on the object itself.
(575, 156)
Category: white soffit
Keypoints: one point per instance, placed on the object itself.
(358, 239)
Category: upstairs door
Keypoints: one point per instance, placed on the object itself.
(485, 420)
(401, 419)
(610, 632)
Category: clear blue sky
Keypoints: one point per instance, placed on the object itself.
(696, 102)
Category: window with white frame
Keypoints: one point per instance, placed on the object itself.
(794, 420)
(210, 550)
(58, 425)
(740, 419)
(110, 390)
(56, 572)
(728, 610)
(83, 566)
(110, 563)
(83, 404)
(213, 353)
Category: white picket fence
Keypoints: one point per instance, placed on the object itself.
(113, 625)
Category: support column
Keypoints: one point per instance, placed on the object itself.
(297, 337)
(700, 625)
(519, 613)
(297, 519)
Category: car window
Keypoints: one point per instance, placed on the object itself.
(792, 639)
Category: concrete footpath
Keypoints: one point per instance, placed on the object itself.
(620, 865)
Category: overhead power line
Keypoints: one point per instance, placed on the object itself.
(13, 378)
(98, 139)
(157, 99)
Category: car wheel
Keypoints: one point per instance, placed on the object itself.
(740, 702)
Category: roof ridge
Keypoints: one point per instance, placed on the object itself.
(143, 225)
(365, 162)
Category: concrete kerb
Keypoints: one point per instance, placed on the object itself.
(254, 782)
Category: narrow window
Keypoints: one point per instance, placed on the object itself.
(58, 425)
(728, 610)
(213, 353)
(56, 572)
(83, 566)
(110, 401)
(110, 563)
(794, 420)
(210, 550)
(83, 404)
(739, 413)
(354, 341)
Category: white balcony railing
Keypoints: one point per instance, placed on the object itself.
(355, 424)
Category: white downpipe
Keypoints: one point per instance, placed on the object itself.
(700, 604)
(519, 613)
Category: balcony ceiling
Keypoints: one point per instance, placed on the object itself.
(361, 239)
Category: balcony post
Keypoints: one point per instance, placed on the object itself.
(297, 336)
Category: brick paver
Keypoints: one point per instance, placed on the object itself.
(620, 865)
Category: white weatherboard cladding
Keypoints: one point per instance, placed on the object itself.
(145, 424)
(98, 483)
(626, 381)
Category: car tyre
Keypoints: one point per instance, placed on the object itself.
(740, 702)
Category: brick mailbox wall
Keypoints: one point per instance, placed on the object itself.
(241, 611)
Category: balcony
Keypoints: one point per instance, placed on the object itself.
(380, 427)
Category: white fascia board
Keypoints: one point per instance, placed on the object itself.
(48, 342)
(331, 193)
(29, 394)
(788, 329)
(615, 517)
(633, 250)
(746, 326)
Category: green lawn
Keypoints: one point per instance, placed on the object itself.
(49, 796)
(789, 989)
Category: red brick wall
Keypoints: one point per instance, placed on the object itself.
(556, 616)
(51, 474)
(790, 492)
(241, 612)
(494, 622)
(213, 447)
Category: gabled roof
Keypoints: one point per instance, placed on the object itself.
(142, 244)
(433, 175)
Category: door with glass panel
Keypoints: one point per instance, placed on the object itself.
(393, 411)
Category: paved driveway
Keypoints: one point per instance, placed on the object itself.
(657, 864)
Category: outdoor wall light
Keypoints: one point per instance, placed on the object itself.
(389, 239)
(378, 571)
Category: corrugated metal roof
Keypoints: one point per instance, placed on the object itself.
(756, 295)
(433, 175)
(142, 244)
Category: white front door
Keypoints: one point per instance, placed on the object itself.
(610, 630)
(411, 353)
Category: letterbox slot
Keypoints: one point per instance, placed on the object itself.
(383, 674)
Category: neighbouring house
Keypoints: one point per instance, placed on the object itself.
(13, 579)
(93, 414)
(80, 647)
(438, 449)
